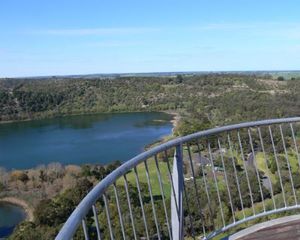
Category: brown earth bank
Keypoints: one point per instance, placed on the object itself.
(19, 202)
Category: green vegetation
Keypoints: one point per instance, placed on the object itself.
(203, 101)
(51, 212)
(141, 169)
(53, 208)
(52, 192)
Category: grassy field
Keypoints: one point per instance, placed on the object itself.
(261, 164)
(155, 186)
(141, 169)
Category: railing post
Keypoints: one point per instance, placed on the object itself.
(177, 211)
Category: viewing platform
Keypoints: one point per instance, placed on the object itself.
(277, 229)
(234, 182)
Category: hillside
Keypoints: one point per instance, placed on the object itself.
(202, 100)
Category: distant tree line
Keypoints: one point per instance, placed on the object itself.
(203, 100)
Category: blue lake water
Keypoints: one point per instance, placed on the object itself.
(10, 216)
(100, 138)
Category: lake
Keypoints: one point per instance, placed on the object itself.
(95, 139)
(10, 216)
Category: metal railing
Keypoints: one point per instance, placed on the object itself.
(196, 186)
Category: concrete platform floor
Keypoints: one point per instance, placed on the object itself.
(285, 228)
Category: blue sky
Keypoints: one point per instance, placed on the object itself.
(107, 36)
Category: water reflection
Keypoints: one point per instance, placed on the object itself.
(99, 138)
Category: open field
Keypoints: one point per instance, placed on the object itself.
(153, 176)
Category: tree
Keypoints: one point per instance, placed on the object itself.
(179, 78)
(280, 78)
(2, 187)
(23, 178)
(19, 176)
(53, 212)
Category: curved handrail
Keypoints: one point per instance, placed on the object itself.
(69, 228)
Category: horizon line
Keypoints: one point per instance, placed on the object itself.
(155, 72)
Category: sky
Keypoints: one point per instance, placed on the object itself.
(66, 37)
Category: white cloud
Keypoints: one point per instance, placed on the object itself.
(95, 31)
(114, 43)
(223, 26)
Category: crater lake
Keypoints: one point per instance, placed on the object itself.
(94, 139)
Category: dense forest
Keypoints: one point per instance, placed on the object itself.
(202, 100)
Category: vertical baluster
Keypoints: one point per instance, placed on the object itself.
(216, 182)
(256, 170)
(96, 222)
(295, 143)
(172, 184)
(119, 211)
(246, 171)
(85, 231)
(196, 189)
(141, 201)
(288, 163)
(177, 173)
(266, 165)
(226, 179)
(206, 187)
(151, 198)
(163, 195)
(189, 211)
(235, 174)
(277, 164)
(108, 216)
(129, 206)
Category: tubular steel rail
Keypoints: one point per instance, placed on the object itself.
(196, 186)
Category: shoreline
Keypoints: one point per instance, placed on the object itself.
(175, 120)
(20, 203)
(81, 114)
(29, 210)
